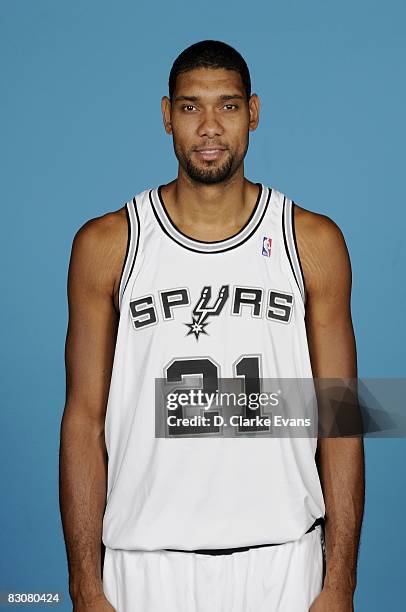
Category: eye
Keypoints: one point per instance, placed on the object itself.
(228, 105)
(188, 107)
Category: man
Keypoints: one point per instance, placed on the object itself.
(209, 277)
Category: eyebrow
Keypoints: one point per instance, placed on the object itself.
(222, 97)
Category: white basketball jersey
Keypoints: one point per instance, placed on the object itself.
(188, 307)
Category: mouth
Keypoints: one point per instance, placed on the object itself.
(210, 153)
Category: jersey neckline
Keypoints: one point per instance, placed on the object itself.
(216, 246)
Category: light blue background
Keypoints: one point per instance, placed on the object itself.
(81, 133)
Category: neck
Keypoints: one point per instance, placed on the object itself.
(211, 212)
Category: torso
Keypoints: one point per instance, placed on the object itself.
(245, 291)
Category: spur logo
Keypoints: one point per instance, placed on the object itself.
(255, 302)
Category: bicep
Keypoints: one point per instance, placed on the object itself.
(328, 310)
(91, 332)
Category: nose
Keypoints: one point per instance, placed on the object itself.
(210, 125)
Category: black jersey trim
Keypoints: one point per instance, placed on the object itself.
(240, 231)
(297, 250)
(228, 551)
(120, 292)
(137, 231)
(286, 244)
(223, 250)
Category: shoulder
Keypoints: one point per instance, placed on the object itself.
(317, 227)
(101, 232)
(102, 237)
(99, 248)
(322, 249)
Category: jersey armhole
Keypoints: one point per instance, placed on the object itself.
(292, 251)
(133, 236)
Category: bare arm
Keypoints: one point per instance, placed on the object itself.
(96, 258)
(327, 271)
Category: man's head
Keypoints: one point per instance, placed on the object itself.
(210, 110)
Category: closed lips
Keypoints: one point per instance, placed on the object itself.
(210, 149)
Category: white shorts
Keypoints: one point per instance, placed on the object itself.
(283, 578)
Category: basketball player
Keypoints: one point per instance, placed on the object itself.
(210, 276)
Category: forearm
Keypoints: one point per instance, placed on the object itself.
(341, 467)
(83, 477)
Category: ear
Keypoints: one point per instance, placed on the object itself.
(253, 106)
(166, 114)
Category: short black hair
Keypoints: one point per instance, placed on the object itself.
(210, 54)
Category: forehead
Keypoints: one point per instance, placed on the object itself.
(208, 82)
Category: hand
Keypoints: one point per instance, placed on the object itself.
(99, 603)
(333, 601)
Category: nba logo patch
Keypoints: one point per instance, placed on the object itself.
(266, 246)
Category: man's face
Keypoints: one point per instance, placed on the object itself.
(210, 119)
